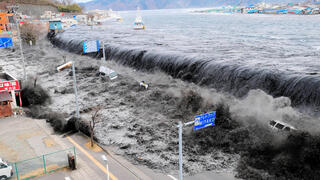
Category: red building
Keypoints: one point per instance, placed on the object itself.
(5, 104)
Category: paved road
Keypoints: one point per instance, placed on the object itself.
(91, 165)
(27, 138)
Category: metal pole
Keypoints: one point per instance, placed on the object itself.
(75, 91)
(108, 169)
(21, 50)
(44, 165)
(104, 53)
(17, 173)
(180, 151)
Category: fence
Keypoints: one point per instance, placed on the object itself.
(41, 165)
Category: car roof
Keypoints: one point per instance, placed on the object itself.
(285, 124)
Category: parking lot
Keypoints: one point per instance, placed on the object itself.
(21, 138)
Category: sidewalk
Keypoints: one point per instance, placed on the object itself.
(91, 165)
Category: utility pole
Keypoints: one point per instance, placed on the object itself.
(14, 9)
(75, 91)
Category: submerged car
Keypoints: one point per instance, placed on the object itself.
(278, 125)
(5, 170)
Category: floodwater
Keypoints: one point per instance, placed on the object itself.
(231, 52)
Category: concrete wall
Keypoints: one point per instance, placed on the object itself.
(35, 10)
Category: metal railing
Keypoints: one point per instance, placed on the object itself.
(41, 165)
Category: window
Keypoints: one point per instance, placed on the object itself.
(279, 126)
(2, 166)
(272, 123)
(287, 129)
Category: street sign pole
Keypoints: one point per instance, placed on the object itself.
(75, 91)
(180, 151)
(200, 122)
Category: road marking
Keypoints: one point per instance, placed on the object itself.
(92, 158)
(172, 177)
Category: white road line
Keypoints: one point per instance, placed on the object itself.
(172, 177)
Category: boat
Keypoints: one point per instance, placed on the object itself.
(138, 23)
(119, 18)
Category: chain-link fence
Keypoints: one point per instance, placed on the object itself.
(42, 164)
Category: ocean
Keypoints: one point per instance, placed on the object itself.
(234, 53)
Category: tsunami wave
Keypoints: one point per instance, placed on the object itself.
(303, 90)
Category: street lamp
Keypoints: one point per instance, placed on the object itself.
(67, 65)
(104, 158)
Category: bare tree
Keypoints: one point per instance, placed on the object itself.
(93, 122)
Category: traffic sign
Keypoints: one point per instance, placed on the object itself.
(6, 42)
(204, 120)
(90, 46)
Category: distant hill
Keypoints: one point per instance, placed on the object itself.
(165, 4)
(36, 8)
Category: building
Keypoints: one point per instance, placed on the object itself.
(5, 104)
(55, 25)
(9, 85)
(66, 23)
(5, 18)
(49, 15)
(82, 19)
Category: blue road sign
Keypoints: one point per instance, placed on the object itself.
(6, 42)
(204, 120)
(90, 46)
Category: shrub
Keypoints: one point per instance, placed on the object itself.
(34, 96)
(30, 32)
(70, 8)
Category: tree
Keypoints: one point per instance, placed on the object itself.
(69, 8)
(94, 120)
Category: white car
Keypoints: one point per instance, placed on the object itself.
(278, 125)
(5, 170)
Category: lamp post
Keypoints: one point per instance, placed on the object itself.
(75, 91)
(67, 65)
(104, 158)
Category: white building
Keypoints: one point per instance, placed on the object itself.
(82, 19)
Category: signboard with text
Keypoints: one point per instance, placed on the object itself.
(90, 46)
(9, 85)
(6, 42)
(204, 120)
